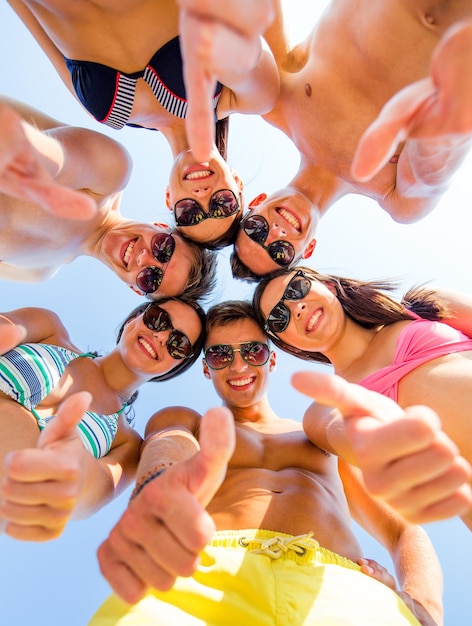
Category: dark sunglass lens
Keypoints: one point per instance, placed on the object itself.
(223, 203)
(278, 318)
(188, 212)
(162, 247)
(297, 288)
(255, 352)
(149, 279)
(256, 228)
(156, 318)
(282, 252)
(178, 345)
(219, 356)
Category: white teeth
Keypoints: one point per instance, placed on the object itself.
(128, 252)
(198, 174)
(240, 382)
(312, 321)
(147, 347)
(289, 217)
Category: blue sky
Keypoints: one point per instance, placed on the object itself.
(59, 582)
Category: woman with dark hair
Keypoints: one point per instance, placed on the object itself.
(123, 63)
(53, 469)
(403, 350)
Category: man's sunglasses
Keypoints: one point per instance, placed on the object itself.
(279, 318)
(150, 278)
(189, 212)
(157, 319)
(221, 355)
(256, 228)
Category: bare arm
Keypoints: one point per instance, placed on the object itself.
(416, 564)
(46, 486)
(222, 41)
(405, 457)
(165, 526)
(433, 117)
(33, 325)
(460, 309)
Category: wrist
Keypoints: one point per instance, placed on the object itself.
(148, 477)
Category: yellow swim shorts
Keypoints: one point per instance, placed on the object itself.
(264, 578)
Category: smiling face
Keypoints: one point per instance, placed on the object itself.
(127, 250)
(291, 217)
(146, 350)
(239, 384)
(200, 182)
(315, 322)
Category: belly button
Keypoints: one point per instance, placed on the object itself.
(308, 89)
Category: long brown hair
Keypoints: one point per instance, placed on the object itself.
(364, 302)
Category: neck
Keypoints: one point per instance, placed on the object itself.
(319, 185)
(350, 347)
(258, 412)
(118, 377)
(176, 136)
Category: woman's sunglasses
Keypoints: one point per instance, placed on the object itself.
(157, 319)
(279, 318)
(150, 278)
(256, 228)
(221, 355)
(189, 212)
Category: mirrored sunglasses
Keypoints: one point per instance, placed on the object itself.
(189, 212)
(256, 228)
(279, 318)
(178, 344)
(221, 355)
(162, 248)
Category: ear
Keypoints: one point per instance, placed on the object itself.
(136, 290)
(332, 287)
(168, 204)
(206, 369)
(272, 361)
(257, 200)
(309, 249)
(162, 225)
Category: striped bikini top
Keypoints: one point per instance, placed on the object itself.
(108, 94)
(29, 372)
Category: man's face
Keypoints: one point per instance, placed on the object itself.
(239, 384)
(139, 258)
(197, 191)
(290, 217)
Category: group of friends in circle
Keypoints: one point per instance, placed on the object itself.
(402, 367)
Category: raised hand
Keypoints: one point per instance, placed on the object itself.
(23, 176)
(165, 527)
(429, 109)
(405, 457)
(41, 485)
(218, 40)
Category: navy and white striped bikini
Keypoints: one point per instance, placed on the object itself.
(29, 372)
(108, 93)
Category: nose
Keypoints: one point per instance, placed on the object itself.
(277, 231)
(161, 336)
(202, 191)
(144, 258)
(297, 309)
(238, 364)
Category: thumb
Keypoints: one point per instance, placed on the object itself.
(352, 400)
(217, 442)
(379, 141)
(64, 424)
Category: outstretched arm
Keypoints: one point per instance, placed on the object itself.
(165, 526)
(417, 567)
(45, 486)
(221, 41)
(434, 118)
(405, 458)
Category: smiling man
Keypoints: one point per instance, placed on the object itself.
(61, 192)
(284, 549)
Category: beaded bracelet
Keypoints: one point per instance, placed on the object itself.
(148, 477)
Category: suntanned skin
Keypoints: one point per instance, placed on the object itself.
(276, 479)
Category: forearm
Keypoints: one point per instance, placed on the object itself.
(418, 570)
